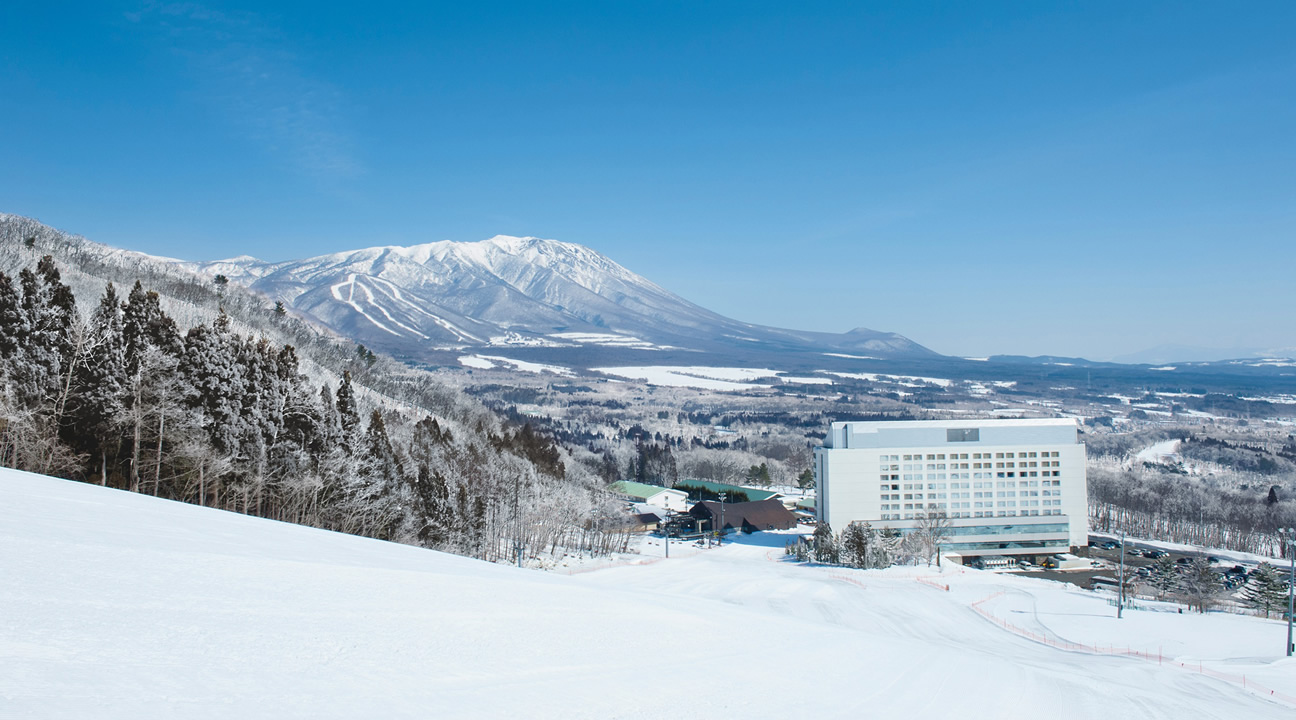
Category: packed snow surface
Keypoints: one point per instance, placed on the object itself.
(1166, 450)
(475, 361)
(702, 378)
(125, 606)
(486, 362)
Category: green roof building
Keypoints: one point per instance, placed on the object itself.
(753, 495)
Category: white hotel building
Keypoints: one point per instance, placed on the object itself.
(1009, 487)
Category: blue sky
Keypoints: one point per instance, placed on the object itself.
(1084, 179)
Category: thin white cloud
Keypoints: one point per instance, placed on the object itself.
(243, 67)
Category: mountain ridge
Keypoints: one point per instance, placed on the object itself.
(510, 290)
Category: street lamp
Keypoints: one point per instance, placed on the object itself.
(1120, 580)
(1289, 545)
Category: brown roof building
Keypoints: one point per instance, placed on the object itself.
(747, 516)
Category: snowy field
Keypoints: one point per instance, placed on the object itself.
(486, 362)
(701, 378)
(125, 606)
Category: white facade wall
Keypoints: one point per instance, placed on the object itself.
(674, 500)
(1009, 486)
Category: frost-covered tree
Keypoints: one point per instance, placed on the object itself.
(1201, 585)
(825, 545)
(1266, 590)
(1164, 577)
(96, 404)
(855, 541)
(929, 532)
(862, 546)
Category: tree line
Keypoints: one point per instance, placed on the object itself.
(121, 396)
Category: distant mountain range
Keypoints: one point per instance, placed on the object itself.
(542, 301)
(513, 291)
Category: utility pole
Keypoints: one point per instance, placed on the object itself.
(1289, 544)
(1120, 580)
(720, 537)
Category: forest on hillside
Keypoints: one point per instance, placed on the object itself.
(117, 393)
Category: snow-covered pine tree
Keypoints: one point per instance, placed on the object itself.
(144, 324)
(825, 545)
(348, 414)
(1165, 576)
(213, 388)
(1201, 585)
(96, 404)
(1266, 590)
(13, 322)
(856, 542)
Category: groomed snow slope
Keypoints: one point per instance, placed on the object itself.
(124, 606)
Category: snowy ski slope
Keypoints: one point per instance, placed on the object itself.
(115, 605)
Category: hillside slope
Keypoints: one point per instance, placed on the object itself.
(126, 606)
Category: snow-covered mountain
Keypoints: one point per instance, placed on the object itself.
(511, 291)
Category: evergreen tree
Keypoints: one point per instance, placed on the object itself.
(96, 406)
(145, 324)
(13, 322)
(806, 480)
(1201, 585)
(434, 508)
(60, 308)
(214, 382)
(1165, 576)
(825, 545)
(347, 411)
(856, 541)
(36, 368)
(1266, 590)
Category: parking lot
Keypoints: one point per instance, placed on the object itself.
(1109, 560)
